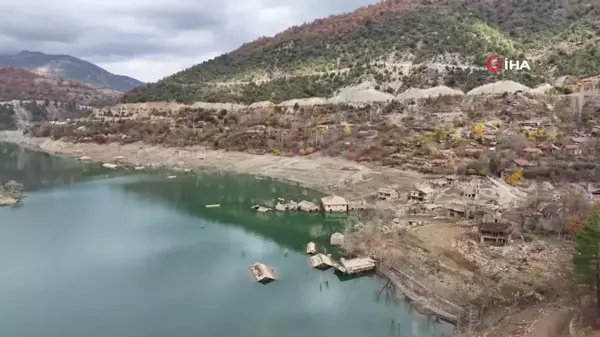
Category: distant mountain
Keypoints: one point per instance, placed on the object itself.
(398, 45)
(27, 98)
(68, 67)
(20, 84)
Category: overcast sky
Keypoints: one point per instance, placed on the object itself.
(150, 39)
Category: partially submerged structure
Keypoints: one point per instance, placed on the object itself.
(307, 206)
(321, 261)
(495, 233)
(311, 248)
(262, 273)
(355, 266)
(334, 203)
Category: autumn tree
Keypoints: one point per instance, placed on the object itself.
(347, 129)
(515, 177)
(586, 258)
(478, 130)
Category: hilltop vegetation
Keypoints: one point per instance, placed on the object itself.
(18, 84)
(26, 97)
(396, 44)
(70, 68)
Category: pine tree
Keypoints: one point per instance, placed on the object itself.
(586, 259)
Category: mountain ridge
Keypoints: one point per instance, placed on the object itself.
(68, 67)
(374, 43)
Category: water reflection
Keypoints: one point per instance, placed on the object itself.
(35, 170)
(237, 194)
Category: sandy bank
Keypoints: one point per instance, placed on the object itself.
(326, 174)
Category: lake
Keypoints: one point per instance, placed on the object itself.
(92, 253)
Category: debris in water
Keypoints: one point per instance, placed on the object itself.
(311, 248)
(261, 273)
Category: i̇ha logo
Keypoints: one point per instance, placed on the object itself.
(496, 64)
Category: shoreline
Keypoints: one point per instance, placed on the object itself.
(324, 174)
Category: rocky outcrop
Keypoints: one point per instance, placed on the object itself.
(11, 193)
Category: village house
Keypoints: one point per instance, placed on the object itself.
(307, 206)
(421, 193)
(456, 209)
(471, 191)
(522, 163)
(548, 147)
(533, 124)
(492, 217)
(387, 194)
(489, 140)
(440, 183)
(439, 162)
(334, 203)
(473, 152)
(573, 149)
(447, 153)
(532, 152)
(495, 233)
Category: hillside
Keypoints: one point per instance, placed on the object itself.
(397, 45)
(68, 67)
(27, 97)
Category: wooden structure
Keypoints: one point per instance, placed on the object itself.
(311, 248)
(421, 192)
(262, 273)
(321, 261)
(495, 233)
(355, 266)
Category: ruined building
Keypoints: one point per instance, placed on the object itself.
(495, 233)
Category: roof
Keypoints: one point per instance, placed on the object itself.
(321, 259)
(532, 150)
(578, 139)
(439, 161)
(521, 162)
(572, 147)
(543, 145)
(530, 212)
(333, 200)
(423, 188)
(307, 204)
(495, 227)
(456, 207)
(387, 190)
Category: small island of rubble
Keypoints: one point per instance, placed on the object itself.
(11, 193)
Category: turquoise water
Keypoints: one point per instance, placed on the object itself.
(140, 255)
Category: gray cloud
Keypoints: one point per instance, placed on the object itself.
(151, 39)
